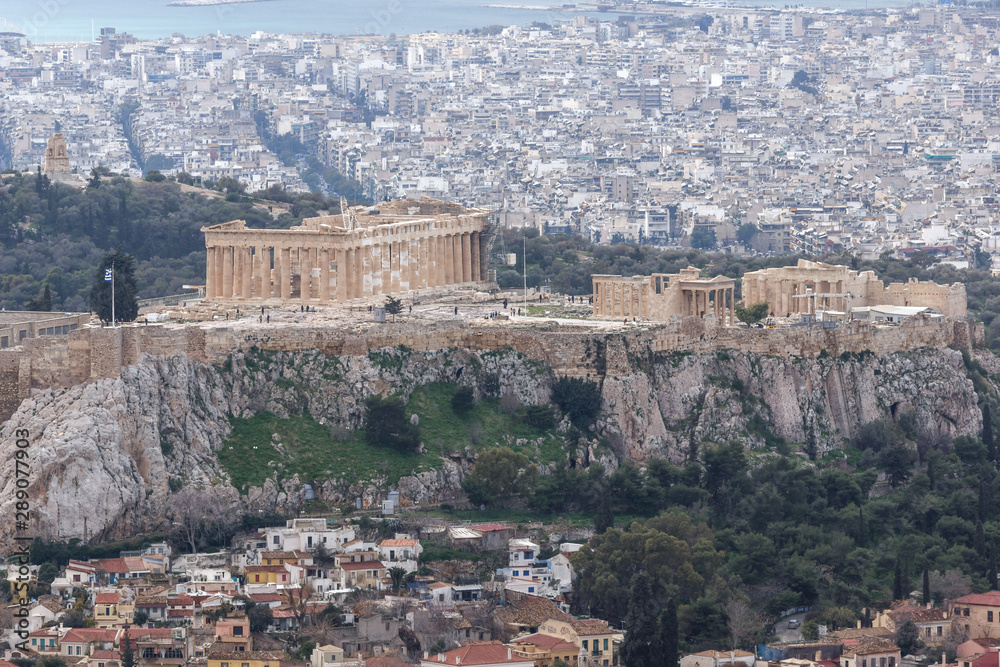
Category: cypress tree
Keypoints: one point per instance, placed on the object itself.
(897, 582)
(126, 289)
(927, 586)
(979, 540)
(991, 569)
(641, 642)
(668, 635)
(988, 432)
(604, 518)
(127, 653)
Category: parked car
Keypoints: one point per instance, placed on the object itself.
(794, 623)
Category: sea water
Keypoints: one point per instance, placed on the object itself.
(78, 20)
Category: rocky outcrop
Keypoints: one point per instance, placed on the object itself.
(106, 456)
(819, 403)
(103, 454)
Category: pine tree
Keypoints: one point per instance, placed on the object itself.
(668, 635)
(126, 290)
(897, 582)
(640, 646)
(604, 518)
(927, 586)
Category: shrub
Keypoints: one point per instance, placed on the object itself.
(386, 424)
(463, 401)
(539, 416)
(509, 403)
(499, 474)
(578, 398)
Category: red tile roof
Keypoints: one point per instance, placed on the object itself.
(546, 642)
(991, 599)
(113, 565)
(104, 655)
(398, 543)
(489, 527)
(87, 635)
(106, 598)
(479, 653)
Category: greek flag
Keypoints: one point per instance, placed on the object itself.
(107, 275)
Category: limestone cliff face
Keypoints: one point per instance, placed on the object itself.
(672, 400)
(102, 454)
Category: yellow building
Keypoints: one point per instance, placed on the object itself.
(111, 612)
(597, 642)
(268, 574)
(977, 614)
(546, 649)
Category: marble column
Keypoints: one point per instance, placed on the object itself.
(324, 275)
(305, 274)
(285, 276)
(247, 272)
(237, 273)
(378, 256)
(227, 272)
(210, 272)
(386, 266)
(449, 260)
(263, 274)
(347, 274)
(477, 274)
(466, 258)
(395, 267)
(363, 272)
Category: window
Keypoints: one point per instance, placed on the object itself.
(225, 664)
(966, 612)
(531, 589)
(79, 650)
(605, 644)
(238, 631)
(881, 662)
(892, 661)
(939, 631)
(864, 662)
(276, 542)
(245, 664)
(989, 617)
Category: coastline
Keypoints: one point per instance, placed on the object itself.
(210, 3)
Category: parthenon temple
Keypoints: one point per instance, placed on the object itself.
(661, 296)
(391, 248)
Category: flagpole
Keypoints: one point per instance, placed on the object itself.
(114, 322)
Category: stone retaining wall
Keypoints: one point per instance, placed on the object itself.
(93, 353)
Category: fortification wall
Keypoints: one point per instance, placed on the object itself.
(93, 353)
